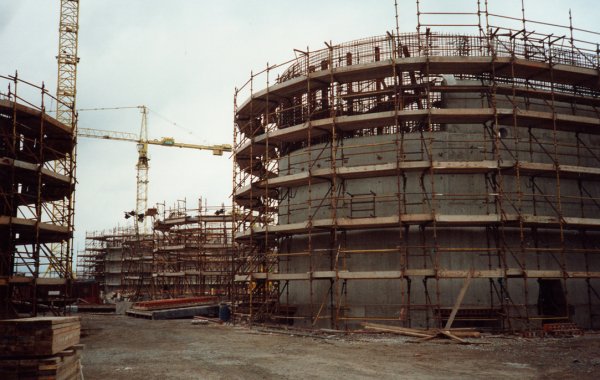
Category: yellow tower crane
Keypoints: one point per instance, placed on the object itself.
(60, 255)
(142, 141)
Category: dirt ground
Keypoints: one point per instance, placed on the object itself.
(120, 347)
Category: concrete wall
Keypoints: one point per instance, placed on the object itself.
(455, 194)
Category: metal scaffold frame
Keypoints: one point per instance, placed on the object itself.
(188, 253)
(66, 94)
(103, 258)
(193, 252)
(530, 169)
(36, 178)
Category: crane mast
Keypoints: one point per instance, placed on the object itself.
(142, 165)
(66, 90)
(141, 200)
(61, 254)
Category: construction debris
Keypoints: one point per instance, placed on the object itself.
(426, 335)
(206, 321)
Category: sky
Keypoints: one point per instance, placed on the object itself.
(183, 59)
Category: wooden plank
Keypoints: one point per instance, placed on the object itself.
(398, 330)
(458, 302)
(452, 336)
(40, 320)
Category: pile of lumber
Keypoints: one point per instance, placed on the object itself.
(40, 348)
(63, 365)
(38, 336)
(425, 335)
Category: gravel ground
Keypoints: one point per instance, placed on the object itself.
(120, 347)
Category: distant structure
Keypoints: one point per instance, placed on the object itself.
(188, 253)
(103, 258)
(376, 180)
(37, 179)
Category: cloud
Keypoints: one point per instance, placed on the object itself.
(7, 11)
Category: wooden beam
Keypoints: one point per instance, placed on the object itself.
(458, 302)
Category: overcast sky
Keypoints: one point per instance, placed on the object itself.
(183, 59)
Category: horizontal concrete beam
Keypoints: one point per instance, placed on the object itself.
(48, 232)
(259, 188)
(432, 273)
(501, 66)
(440, 220)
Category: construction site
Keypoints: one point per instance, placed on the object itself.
(391, 197)
(189, 253)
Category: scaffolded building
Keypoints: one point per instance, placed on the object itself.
(193, 252)
(188, 253)
(37, 179)
(106, 254)
(377, 179)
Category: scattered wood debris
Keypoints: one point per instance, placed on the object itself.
(206, 320)
(425, 335)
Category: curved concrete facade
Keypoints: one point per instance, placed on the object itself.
(36, 185)
(376, 177)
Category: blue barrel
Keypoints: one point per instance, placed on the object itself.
(224, 313)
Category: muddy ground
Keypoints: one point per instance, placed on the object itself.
(120, 347)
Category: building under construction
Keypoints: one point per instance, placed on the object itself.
(102, 260)
(188, 253)
(36, 186)
(385, 178)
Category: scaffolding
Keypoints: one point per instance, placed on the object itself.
(372, 178)
(37, 177)
(193, 251)
(106, 254)
(188, 253)
(136, 266)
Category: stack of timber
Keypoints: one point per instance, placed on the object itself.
(40, 348)
(176, 308)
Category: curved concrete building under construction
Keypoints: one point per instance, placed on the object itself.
(36, 186)
(383, 179)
